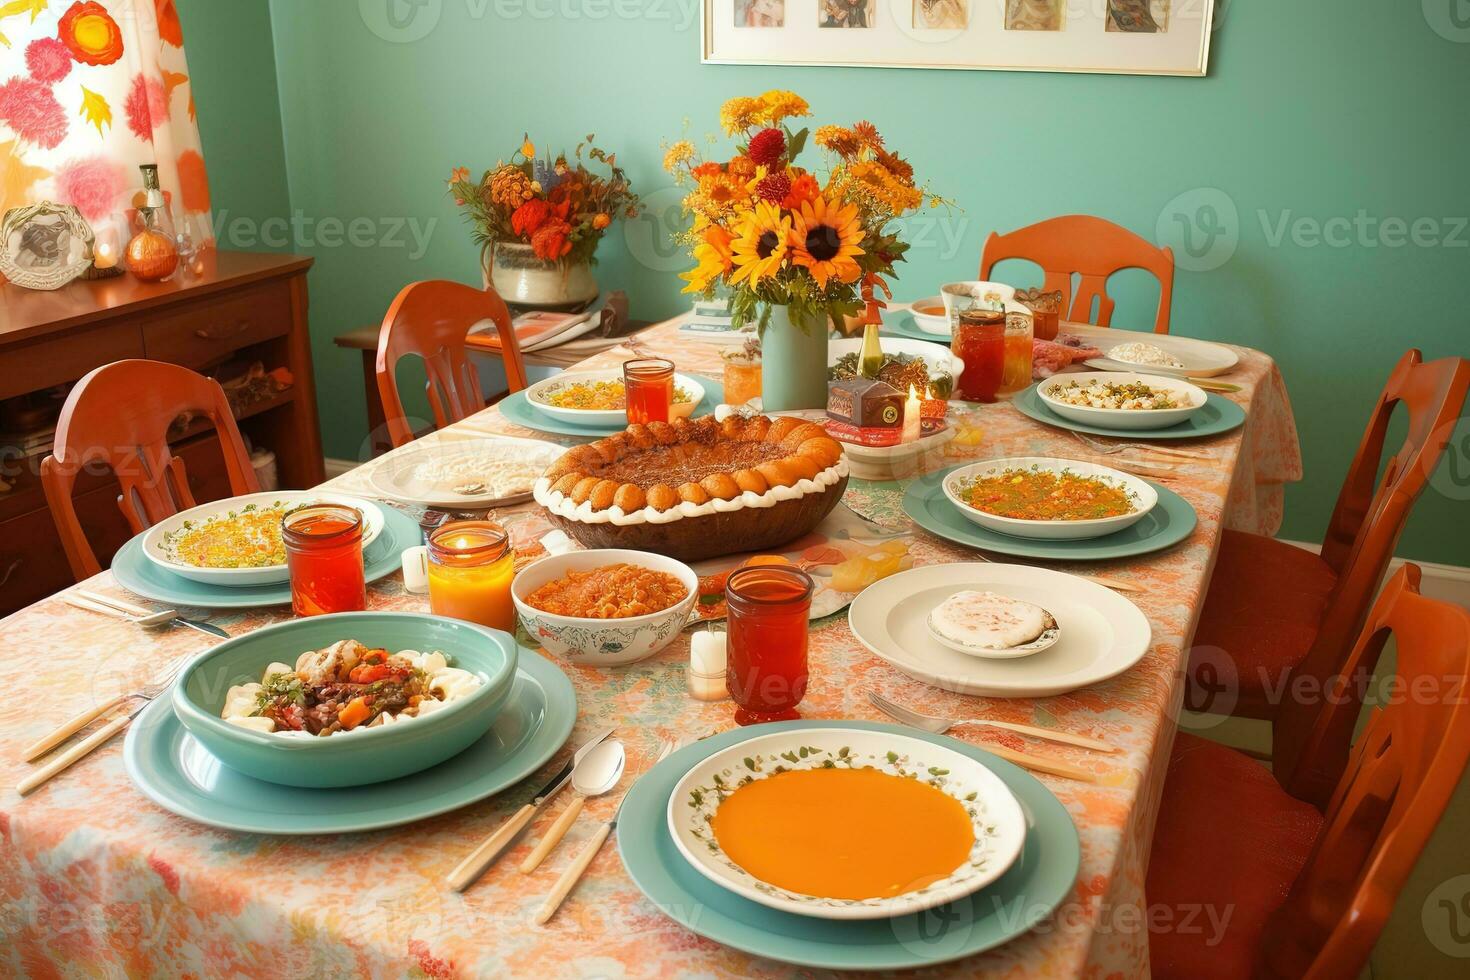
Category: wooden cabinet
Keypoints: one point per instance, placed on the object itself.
(241, 306)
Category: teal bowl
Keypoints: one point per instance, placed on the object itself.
(350, 758)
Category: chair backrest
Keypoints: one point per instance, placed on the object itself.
(1091, 248)
(1364, 530)
(119, 416)
(430, 320)
(1401, 775)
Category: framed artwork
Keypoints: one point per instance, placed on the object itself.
(44, 246)
(1136, 37)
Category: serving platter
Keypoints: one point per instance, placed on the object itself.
(399, 475)
(1218, 416)
(159, 540)
(1039, 880)
(175, 771)
(518, 409)
(1169, 522)
(142, 577)
(995, 817)
(1101, 634)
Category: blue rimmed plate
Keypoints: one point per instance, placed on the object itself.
(518, 409)
(138, 575)
(901, 324)
(1026, 894)
(1218, 416)
(175, 771)
(1170, 521)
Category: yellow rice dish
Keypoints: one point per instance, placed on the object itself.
(247, 538)
(599, 396)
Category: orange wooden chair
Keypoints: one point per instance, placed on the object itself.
(1300, 893)
(430, 320)
(1092, 248)
(119, 415)
(1273, 608)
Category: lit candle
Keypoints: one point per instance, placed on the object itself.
(470, 570)
(105, 256)
(912, 410)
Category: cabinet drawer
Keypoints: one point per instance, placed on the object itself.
(205, 332)
(32, 367)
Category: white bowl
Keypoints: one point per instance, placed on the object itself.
(602, 642)
(1144, 496)
(997, 820)
(538, 393)
(938, 357)
(935, 323)
(1190, 397)
(156, 539)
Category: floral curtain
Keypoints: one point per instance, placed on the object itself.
(89, 91)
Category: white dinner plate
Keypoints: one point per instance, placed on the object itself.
(1143, 496)
(1201, 359)
(1189, 397)
(1102, 633)
(995, 815)
(156, 539)
(398, 475)
(539, 392)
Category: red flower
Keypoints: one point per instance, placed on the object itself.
(550, 242)
(146, 105)
(90, 33)
(95, 185)
(774, 187)
(767, 147)
(48, 60)
(530, 216)
(169, 27)
(30, 109)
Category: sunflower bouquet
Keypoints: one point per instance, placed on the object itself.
(557, 206)
(774, 233)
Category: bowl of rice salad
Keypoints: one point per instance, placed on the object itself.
(598, 398)
(1121, 400)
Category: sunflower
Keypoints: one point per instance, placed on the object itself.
(824, 239)
(713, 255)
(760, 244)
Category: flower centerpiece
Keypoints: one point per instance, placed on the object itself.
(794, 248)
(538, 221)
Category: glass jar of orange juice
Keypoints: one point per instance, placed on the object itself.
(1018, 358)
(470, 568)
(742, 373)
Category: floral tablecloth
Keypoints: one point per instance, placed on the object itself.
(96, 880)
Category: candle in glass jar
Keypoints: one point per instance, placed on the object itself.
(913, 411)
(105, 256)
(470, 569)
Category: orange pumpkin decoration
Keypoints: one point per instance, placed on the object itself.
(90, 34)
(152, 255)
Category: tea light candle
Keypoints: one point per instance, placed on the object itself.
(104, 256)
(707, 666)
(912, 411)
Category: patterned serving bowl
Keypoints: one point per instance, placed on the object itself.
(996, 818)
(602, 642)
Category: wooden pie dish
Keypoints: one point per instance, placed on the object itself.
(693, 489)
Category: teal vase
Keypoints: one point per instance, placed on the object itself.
(794, 362)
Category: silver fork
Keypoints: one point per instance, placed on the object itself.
(1111, 448)
(156, 686)
(937, 725)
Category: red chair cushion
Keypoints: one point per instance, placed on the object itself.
(1228, 844)
(1261, 614)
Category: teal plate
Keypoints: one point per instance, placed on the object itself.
(1036, 884)
(140, 576)
(901, 324)
(1170, 522)
(173, 770)
(1219, 415)
(518, 409)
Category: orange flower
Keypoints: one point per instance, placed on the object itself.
(551, 241)
(169, 28)
(706, 169)
(601, 220)
(458, 174)
(529, 217)
(742, 167)
(90, 33)
(804, 188)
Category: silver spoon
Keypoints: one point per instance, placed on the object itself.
(598, 773)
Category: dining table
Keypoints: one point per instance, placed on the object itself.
(95, 879)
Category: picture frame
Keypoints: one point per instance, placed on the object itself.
(44, 245)
(1134, 37)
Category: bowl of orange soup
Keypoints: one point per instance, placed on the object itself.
(839, 823)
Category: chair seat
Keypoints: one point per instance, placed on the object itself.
(1227, 847)
(1262, 612)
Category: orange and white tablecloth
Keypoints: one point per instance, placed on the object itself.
(95, 879)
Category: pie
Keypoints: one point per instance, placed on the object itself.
(697, 488)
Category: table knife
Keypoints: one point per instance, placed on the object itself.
(134, 610)
(480, 860)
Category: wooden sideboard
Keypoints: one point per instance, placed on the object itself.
(234, 307)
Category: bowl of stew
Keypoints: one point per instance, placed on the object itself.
(605, 607)
(1049, 498)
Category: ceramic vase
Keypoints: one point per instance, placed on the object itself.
(794, 362)
(521, 278)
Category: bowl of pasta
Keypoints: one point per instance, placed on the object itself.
(346, 699)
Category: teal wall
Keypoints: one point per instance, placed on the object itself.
(1313, 111)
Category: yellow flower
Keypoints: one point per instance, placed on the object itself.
(528, 149)
(740, 113)
(713, 256)
(680, 153)
(880, 184)
(824, 240)
(778, 105)
(839, 139)
(866, 135)
(761, 241)
(601, 220)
